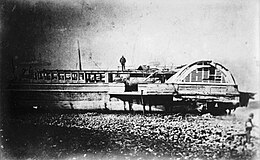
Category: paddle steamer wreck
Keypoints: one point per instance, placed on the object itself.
(205, 85)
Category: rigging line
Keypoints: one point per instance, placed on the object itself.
(95, 64)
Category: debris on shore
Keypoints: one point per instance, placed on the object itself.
(136, 136)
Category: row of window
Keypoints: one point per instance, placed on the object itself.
(75, 77)
(206, 75)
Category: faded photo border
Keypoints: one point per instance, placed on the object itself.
(44, 34)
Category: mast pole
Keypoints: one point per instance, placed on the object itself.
(80, 67)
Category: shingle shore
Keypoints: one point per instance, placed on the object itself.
(129, 136)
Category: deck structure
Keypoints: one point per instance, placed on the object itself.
(203, 84)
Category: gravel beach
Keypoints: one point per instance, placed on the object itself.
(43, 135)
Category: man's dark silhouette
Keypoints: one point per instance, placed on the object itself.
(249, 125)
(122, 61)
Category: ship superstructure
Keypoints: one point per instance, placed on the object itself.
(206, 85)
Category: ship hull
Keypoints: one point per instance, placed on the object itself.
(203, 84)
(58, 96)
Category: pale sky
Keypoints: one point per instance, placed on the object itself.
(173, 32)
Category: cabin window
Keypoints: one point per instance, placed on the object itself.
(74, 76)
(35, 76)
(110, 77)
(61, 76)
(44, 75)
(81, 76)
(223, 79)
(87, 77)
(211, 70)
(40, 75)
(48, 76)
(196, 76)
(98, 77)
(218, 76)
(205, 75)
(54, 76)
(211, 78)
(102, 77)
(92, 77)
(187, 79)
(67, 76)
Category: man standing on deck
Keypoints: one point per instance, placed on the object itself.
(122, 61)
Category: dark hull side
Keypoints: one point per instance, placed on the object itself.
(103, 96)
(83, 97)
(61, 100)
(58, 96)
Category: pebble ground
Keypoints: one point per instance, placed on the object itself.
(41, 135)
